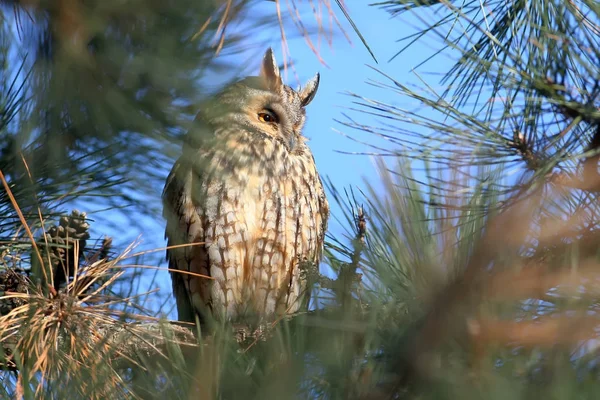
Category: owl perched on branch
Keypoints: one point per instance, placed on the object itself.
(244, 204)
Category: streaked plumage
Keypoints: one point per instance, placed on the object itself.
(247, 191)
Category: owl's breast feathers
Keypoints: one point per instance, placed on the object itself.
(258, 214)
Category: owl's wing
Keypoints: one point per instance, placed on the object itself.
(322, 217)
(324, 213)
(183, 229)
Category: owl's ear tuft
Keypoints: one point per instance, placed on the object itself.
(270, 71)
(310, 89)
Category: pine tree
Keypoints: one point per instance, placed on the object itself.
(472, 275)
(501, 166)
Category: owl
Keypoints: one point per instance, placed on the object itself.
(244, 204)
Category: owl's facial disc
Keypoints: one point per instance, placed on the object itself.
(265, 103)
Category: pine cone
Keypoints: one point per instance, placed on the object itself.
(61, 239)
(15, 282)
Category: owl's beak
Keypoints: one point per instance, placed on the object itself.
(292, 140)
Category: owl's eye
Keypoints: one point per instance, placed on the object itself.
(268, 116)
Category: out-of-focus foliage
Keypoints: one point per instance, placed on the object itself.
(103, 93)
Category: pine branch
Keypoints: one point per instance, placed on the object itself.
(127, 342)
(348, 277)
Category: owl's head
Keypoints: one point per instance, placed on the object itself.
(266, 106)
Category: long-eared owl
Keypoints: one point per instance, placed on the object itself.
(244, 204)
